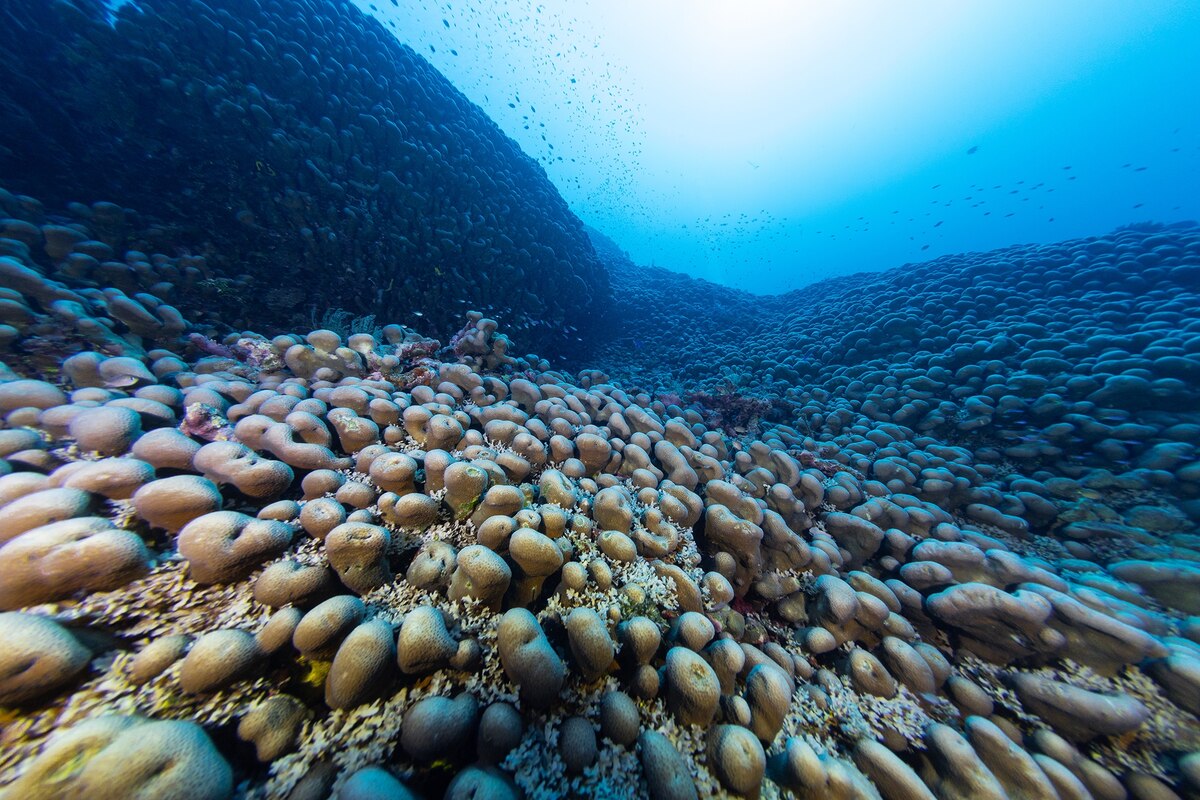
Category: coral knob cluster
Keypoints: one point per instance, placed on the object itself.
(364, 564)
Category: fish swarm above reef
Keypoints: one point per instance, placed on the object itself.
(370, 565)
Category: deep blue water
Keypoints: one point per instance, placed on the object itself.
(770, 146)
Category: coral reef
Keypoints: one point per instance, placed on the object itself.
(287, 145)
(925, 533)
(368, 565)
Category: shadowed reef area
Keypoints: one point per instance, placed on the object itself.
(304, 147)
(339, 460)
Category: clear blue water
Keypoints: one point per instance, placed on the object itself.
(771, 144)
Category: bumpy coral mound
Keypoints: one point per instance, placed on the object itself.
(1069, 356)
(377, 566)
(303, 138)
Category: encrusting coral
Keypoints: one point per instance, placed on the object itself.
(305, 573)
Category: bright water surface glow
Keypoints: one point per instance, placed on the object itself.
(767, 144)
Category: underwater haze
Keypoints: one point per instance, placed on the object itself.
(765, 145)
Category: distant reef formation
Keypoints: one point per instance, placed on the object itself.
(305, 152)
(1079, 354)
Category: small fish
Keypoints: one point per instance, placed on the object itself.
(972, 150)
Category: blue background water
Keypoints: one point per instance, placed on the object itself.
(766, 145)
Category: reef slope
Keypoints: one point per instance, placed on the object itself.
(297, 145)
